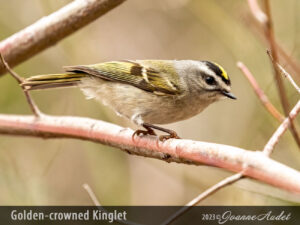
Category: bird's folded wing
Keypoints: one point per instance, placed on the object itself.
(133, 73)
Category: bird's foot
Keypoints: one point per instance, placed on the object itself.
(149, 131)
(172, 134)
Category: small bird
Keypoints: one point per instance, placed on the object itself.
(147, 92)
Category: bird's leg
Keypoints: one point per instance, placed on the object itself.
(171, 133)
(148, 131)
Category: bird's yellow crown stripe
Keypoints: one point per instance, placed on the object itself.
(224, 74)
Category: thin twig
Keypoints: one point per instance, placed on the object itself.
(260, 93)
(51, 29)
(12, 73)
(227, 181)
(285, 73)
(19, 79)
(269, 31)
(257, 12)
(281, 129)
(289, 60)
(100, 207)
(91, 194)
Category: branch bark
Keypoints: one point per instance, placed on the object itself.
(254, 164)
(53, 28)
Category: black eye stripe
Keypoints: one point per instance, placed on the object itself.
(217, 71)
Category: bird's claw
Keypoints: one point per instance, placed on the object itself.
(143, 133)
(166, 137)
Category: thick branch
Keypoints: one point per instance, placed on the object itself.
(254, 164)
(51, 29)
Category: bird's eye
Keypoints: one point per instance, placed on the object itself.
(210, 80)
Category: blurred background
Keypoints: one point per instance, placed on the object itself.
(51, 172)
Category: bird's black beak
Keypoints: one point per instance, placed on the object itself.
(228, 94)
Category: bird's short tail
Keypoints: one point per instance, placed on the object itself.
(52, 81)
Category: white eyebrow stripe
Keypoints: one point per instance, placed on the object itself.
(207, 70)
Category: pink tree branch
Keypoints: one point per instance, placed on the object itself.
(255, 164)
(53, 28)
(260, 93)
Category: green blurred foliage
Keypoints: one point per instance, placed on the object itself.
(51, 172)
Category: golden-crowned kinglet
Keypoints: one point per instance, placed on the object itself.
(146, 91)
